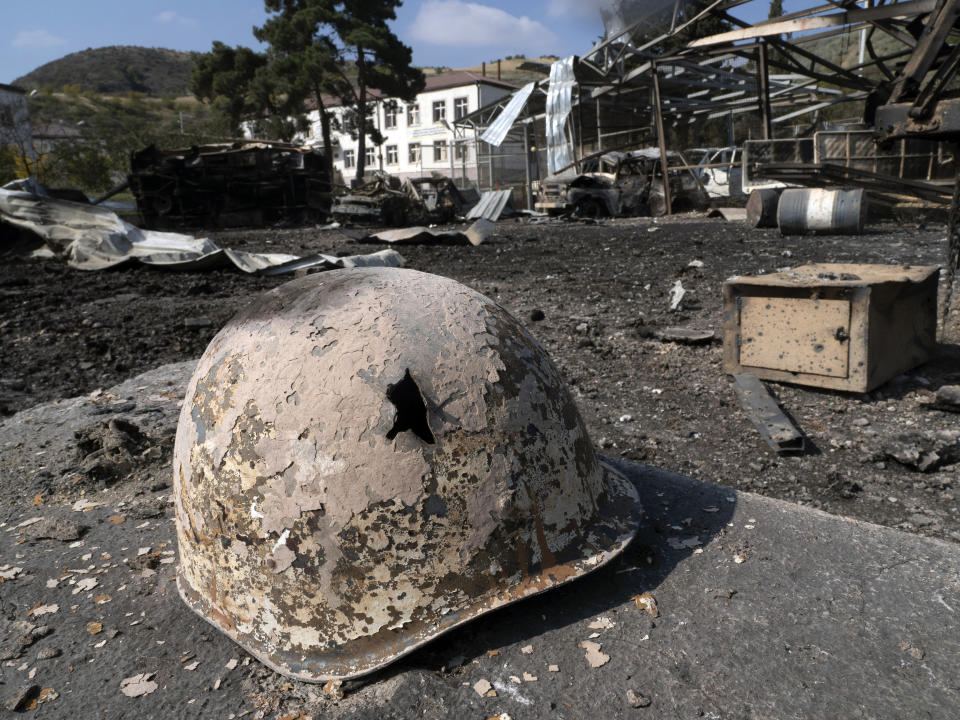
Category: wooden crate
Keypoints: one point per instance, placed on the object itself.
(840, 326)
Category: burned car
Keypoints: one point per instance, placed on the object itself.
(625, 183)
(378, 201)
(435, 199)
(386, 200)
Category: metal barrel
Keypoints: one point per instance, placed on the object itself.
(804, 211)
(762, 207)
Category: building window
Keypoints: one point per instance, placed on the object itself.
(349, 159)
(439, 150)
(459, 108)
(413, 153)
(390, 117)
(413, 114)
(370, 157)
(392, 155)
(439, 110)
(460, 151)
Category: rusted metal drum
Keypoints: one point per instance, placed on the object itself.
(762, 207)
(805, 211)
(371, 457)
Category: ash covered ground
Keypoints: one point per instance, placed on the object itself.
(595, 296)
(93, 367)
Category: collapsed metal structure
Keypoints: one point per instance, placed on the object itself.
(667, 63)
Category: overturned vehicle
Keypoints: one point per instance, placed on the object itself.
(624, 183)
(229, 185)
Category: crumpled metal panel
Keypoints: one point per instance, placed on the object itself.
(559, 104)
(92, 237)
(372, 457)
(497, 132)
(491, 205)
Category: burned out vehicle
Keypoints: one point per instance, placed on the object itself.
(229, 185)
(379, 201)
(386, 200)
(435, 199)
(625, 183)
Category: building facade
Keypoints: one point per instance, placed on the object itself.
(419, 135)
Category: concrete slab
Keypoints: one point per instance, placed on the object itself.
(766, 610)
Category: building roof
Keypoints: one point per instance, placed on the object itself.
(462, 77)
(13, 89)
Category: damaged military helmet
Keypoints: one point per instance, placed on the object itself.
(371, 457)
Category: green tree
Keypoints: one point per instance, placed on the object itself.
(224, 77)
(333, 52)
(776, 9)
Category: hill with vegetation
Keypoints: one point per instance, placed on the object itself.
(117, 70)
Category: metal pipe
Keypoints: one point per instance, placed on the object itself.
(763, 89)
(526, 166)
(661, 141)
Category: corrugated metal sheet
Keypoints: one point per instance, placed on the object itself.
(559, 104)
(491, 205)
(497, 132)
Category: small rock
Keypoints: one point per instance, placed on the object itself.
(636, 699)
(861, 422)
(921, 520)
(50, 528)
(948, 398)
(18, 701)
(537, 315)
(482, 687)
(48, 653)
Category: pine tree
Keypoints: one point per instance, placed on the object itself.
(224, 77)
(335, 52)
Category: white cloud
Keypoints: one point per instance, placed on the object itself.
(170, 17)
(451, 22)
(36, 39)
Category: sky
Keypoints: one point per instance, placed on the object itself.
(453, 33)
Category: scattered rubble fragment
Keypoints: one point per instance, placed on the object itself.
(947, 398)
(646, 603)
(483, 688)
(594, 657)
(334, 689)
(51, 528)
(924, 451)
(603, 623)
(138, 685)
(43, 610)
(637, 699)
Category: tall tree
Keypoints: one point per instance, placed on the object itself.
(333, 52)
(382, 62)
(224, 77)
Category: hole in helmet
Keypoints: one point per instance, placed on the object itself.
(411, 409)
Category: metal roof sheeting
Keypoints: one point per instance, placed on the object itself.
(559, 104)
(499, 128)
(491, 206)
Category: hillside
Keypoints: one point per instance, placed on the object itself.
(115, 70)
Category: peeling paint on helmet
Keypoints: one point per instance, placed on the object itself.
(372, 457)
